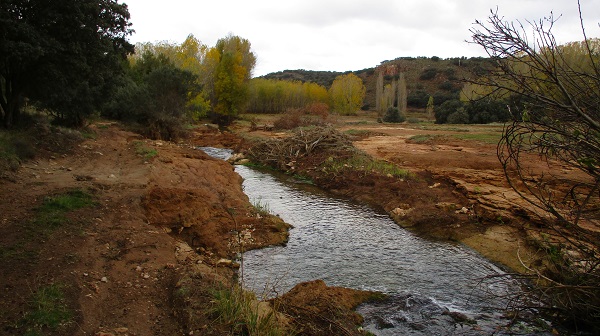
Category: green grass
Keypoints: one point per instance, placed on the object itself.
(239, 310)
(143, 151)
(52, 213)
(47, 310)
(48, 217)
(491, 138)
(364, 163)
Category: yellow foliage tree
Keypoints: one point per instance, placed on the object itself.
(347, 94)
(276, 96)
(228, 67)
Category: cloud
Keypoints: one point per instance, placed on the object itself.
(346, 34)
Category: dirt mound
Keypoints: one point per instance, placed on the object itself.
(317, 310)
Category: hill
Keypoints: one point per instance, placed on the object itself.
(440, 78)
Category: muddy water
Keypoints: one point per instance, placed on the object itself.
(434, 288)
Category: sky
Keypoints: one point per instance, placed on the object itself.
(342, 35)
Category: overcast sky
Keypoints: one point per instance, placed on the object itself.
(341, 35)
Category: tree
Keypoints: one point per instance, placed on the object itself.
(277, 96)
(62, 55)
(187, 56)
(347, 94)
(228, 68)
(402, 94)
(156, 97)
(555, 100)
(379, 94)
(430, 107)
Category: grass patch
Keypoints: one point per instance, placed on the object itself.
(491, 138)
(52, 213)
(355, 132)
(364, 163)
(47, 310)
(261, 207)
(146, 152)
(49, 216)
(244, 315)
(15, 147)
(421, 138)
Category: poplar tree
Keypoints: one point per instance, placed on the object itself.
(379, 94)
(347, 94)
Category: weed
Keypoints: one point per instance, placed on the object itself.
(89, 135)
(243, 313)
(491, 138)
(52, 213)
(261, 207)
(364, 163)
(15, 147)
(356, 132)
(303, 179)
(421, 138)
(48, 217)
(143, 151)
(47, 309)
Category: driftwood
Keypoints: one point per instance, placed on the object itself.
(280, 153)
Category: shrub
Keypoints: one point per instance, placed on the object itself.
(393, 115)
(428, 74)
(460, 116)
(316, 114)
(445, 109)
(418, 99)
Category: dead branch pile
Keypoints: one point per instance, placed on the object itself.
(282, 153)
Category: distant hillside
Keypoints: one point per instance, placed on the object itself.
(440, 78)
(324, 78)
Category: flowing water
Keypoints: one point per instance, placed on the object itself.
(434, 288)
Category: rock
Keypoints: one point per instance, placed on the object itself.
(224, 262)
(138, 268)
(435, 185)
(243, 161)
(463, 210)
(121, 330)
(402, 212)
(235, 158)
(404, 206)
(104, 279)
(447, 206)
(112, 176)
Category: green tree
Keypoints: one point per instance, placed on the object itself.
(228, 68)
(347, 94)
(430, 107)
(61, 55)
(187, 56)
(155, 97)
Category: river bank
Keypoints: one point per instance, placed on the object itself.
(160, 237)
(109, 233)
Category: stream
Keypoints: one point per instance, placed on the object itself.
(434, 288)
